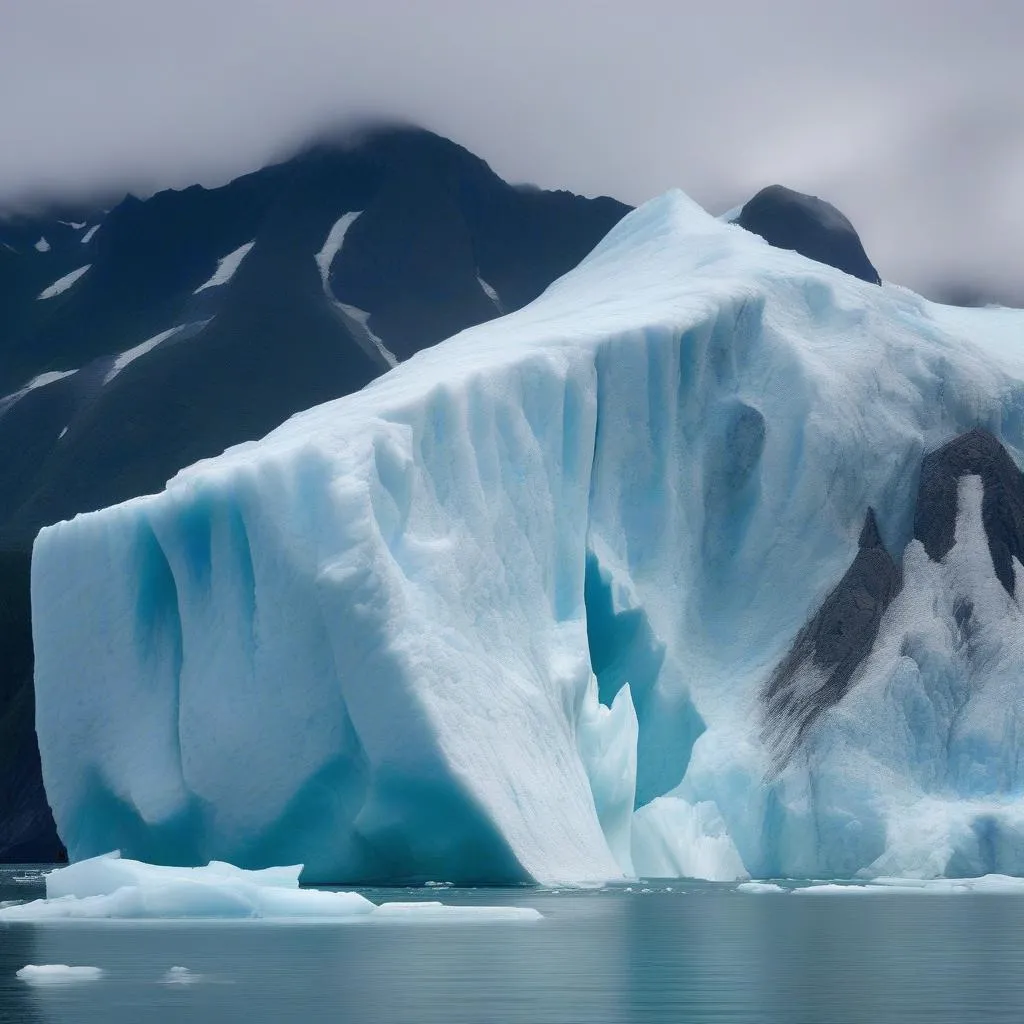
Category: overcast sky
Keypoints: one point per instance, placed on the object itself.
(907, 114)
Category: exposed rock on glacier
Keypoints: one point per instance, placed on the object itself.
(976, 453)
(818, 670)
(810, 226)
(378, 641)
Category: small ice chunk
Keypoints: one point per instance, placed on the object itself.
(58, 974)
(180, 976)
(226, 267)
(434, 912)
(62, 284)
(42, 245)
(837, 889)
(759, 887)
(87, 237)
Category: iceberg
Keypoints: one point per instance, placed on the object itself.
(111, 888)
(702, 563)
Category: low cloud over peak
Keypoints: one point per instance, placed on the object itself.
(909, 117)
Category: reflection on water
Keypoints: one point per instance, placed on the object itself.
(613, 956)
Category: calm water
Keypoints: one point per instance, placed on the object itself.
(695, 953)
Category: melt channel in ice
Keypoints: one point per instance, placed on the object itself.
(505, 614)
(112, 888)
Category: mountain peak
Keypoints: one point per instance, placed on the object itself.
(812, 227)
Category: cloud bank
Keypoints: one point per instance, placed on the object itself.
(909, 116)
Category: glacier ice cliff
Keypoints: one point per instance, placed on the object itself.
(565, 597)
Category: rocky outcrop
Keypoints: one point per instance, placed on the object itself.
(810, 226)
(977, 453)
(818, 670)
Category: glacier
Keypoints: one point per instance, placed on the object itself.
(524, 608)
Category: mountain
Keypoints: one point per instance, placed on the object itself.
(139, 340)
(706, 562)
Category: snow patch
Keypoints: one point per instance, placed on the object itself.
(128, 357)
(39, 381)
(87, 237)
(490, 293)
(63, 283)
(355, 319)
(333, 243)
(42, 245)
(226, 267)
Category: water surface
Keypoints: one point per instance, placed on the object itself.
(657, 951)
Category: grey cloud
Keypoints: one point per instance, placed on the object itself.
(909, 116)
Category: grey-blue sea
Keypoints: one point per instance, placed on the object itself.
(665, 951)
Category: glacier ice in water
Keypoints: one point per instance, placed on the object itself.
(111, 888)
(392, 639)
(57, 974)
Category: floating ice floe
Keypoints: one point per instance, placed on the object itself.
(181, 976)
(1000, 884)
(111, 887)
(58, 974)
